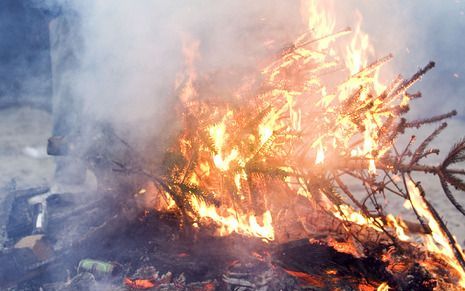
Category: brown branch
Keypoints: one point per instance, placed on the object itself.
(420, 150)
(418, 123)
(448, 193)
(417, 76)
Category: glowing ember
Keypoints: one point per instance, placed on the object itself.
(138, 283)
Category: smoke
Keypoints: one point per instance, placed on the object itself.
(128, 56)
(130, 53)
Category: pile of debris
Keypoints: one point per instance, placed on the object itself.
(108, 251)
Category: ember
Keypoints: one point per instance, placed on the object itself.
(138, 283)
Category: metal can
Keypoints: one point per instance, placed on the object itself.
(97, 268)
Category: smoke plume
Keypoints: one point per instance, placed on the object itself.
(129, 55)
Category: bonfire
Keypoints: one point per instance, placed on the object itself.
(307, 148)
(302, 160)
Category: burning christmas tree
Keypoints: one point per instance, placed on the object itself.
(307, 146)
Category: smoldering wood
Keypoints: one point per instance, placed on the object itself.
(317, 260)
(195, 256)
(112, 226)
(109, 231)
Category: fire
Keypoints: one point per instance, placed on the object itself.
(265, 133)
(437, 241)
(321, 24)
(240, 148)
(383, 287)
(233, 222)
(399, 227)
(356, 52)
(239, 164)
(345, 212)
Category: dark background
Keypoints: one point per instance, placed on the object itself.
(25, 71)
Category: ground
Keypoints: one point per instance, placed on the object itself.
(23, 140)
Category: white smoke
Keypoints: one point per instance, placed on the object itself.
(130, 52)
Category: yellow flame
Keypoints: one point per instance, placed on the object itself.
(218, 134)
(237, 182)
(265, 133)
(232, 221)
(371, 167)
(164, 201)
(356, 52)
(347, 213)
(383, 287)
(400, 231)
(223, 163)
(320, 23)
